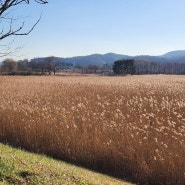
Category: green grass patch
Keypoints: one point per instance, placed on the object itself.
(20, 167)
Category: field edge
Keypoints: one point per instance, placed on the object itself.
(29, 168)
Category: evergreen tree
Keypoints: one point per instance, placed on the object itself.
(124, 67)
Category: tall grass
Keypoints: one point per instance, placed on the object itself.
(127, 126)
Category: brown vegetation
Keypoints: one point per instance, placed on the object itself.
(128, 126)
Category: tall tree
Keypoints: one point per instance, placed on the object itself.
(51, 64)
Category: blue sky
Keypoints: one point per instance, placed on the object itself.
(82, 27)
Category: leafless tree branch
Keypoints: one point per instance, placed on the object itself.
(7, 31)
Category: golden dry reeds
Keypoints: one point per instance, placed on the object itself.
(130, 126)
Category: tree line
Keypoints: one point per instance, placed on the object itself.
(47, 66)
(50, 65)
(33, 67)
(138, 67)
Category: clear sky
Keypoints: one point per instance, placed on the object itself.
(82, 27)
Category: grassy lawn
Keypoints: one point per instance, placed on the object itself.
(20, 167)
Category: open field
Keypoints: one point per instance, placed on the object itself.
(130, 126)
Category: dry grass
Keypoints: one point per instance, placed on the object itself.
(126, 126)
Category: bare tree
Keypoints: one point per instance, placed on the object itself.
(9, 65)
(51, 64)
(7, 27)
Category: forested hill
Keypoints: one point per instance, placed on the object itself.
(109, 58)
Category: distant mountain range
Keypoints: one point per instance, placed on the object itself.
(109, 58)
(174, 54)
(95, 59)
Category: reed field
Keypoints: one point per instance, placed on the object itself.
(131, 127)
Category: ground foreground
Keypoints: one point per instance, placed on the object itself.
(132, 127)
(20, 167)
